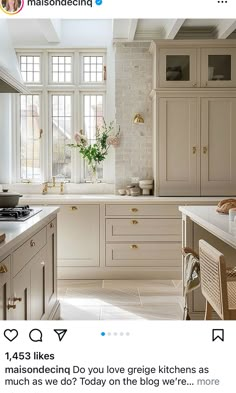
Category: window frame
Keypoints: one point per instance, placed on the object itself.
(36, 54)
(46, 88)
(81, 68)
(73, 68)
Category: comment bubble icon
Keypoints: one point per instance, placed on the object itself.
(36, 335)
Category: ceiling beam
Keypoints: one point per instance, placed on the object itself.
(172, 27)
(225, 28)
(51, 29)
(132, 29)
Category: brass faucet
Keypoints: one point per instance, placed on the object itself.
(53, 184)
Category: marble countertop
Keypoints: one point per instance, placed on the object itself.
(17, 232)
(104, 198)
(216, 223)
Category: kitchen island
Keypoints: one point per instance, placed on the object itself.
(203, 222)
(28, 263)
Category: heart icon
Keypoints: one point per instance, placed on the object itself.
(10, 334)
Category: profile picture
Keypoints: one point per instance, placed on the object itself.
(11, 6)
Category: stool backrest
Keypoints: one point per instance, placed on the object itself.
(213, 278)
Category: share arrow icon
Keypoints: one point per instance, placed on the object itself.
(61, 333)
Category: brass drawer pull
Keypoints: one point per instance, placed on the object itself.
(3, 268)
(32, 243)
(134, 222)
(194, 149)
(51, 225)
(17, 299)
(134, 246)
(134, 210)
(74, 208)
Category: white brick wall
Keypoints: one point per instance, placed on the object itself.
(133, 64)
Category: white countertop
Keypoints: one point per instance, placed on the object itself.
(104, 198)
(216, 223)
(17, 232)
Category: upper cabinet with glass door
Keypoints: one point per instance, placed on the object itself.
(178, 67)
(218, 67)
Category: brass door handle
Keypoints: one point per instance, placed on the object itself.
(134, 210)
(51, 225)
(3, 268)
(134, 246)
(194, 149)
(32, 243)
(204, 149)
(134, 222)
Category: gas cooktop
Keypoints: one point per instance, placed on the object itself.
(18, 213)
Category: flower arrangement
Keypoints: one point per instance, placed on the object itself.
(95, 153)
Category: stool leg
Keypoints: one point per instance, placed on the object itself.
(208, 311)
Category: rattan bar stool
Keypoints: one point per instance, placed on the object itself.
(217, 284)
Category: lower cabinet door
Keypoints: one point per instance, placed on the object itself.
(37, 285)
(51, 267)
(20, 300)
(4, 288)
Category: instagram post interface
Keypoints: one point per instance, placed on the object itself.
(117, 196)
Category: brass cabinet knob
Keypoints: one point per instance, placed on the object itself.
(134, 210)
(134, 222)
(3, 268)
(134, 246)
(204, 149)
(74, 208)
(195, 84)
(194, 149)
(32, 243)
(42, 263)
(51, 225)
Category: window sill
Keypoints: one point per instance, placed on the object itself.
(69, 188)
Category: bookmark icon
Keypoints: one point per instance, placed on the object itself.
(61, 333)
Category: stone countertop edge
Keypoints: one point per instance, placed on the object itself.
(18, 232)
(52, 199)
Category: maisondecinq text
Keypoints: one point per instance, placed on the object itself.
(65, 3)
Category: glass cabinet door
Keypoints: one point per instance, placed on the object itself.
(178, 68)
(218, 67)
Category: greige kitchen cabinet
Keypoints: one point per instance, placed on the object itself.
(178, 67)
(196, 146)
(178, 146)
(5, 266)
(194, 92)
(28, 278)
(218, 144)
(78, 236)
(218, 67)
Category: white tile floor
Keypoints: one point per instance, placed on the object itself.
(120, 299)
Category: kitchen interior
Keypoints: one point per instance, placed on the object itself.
(117, 157)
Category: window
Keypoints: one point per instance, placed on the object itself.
(61, 122)
(61, 68)
(70, 97)
(93, 69)
(92, 118)
(30, 68)
(30, 137)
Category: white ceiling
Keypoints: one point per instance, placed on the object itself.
(68, 32)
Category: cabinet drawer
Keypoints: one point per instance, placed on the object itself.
(30, 248)
(142, 210)
(141, 229)
(5, 275)
(160, 254)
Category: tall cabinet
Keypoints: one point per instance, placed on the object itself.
(194, 109)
